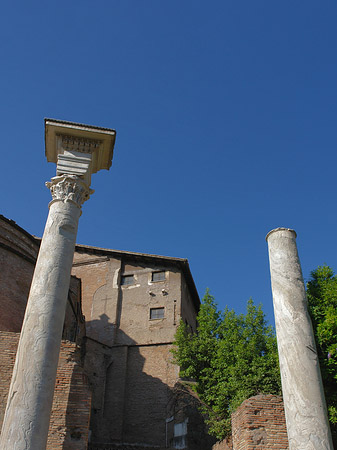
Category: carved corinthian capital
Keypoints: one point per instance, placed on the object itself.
(69, 188)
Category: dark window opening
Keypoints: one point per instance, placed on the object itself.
(158, 276)
(157, 313)
(127, 280)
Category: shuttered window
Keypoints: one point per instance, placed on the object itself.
(158, 276)
(127, 280)
(157, 313)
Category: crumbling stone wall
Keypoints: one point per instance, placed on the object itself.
(259, 424)
(225, 444)
(69, 425)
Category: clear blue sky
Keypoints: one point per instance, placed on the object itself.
(225, 114)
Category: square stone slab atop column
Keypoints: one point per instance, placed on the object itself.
(88, 144)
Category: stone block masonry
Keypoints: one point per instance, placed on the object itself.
(69, 425)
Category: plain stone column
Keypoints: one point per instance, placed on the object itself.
(30, 397)
(79, 151)
(304, 402)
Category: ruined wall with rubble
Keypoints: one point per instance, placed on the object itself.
(259, 423)
(69, 425)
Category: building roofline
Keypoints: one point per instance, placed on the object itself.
(125, 252)
(182, 263)
(17, 227)
(66, 122)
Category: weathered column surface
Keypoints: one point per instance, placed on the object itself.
(79, 151)
(304, 402)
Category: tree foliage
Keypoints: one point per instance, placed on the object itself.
(231, 357)
(322, 303)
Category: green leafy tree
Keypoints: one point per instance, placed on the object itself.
(322, 303)
(231, 357)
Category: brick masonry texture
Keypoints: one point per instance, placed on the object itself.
(18, 253)
(70, 416)
(150, 376)
(127, 355)
(137, 399)
(186, 404)
(259, 424)
(226, 444)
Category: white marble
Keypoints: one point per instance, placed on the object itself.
(30, 396)
(304, 402)
(79, 151)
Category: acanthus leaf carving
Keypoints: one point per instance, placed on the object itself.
(69, 188)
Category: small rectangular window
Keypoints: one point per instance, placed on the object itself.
(157, 313)
(127, 280)
(158, 276)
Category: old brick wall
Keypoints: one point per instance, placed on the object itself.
(149, 382)
(187, 426)
(127, 352)
(225, 444)
(99, 294)
(132, 389)
(18, 253)
(8, 345)
(188, 310)
(72, 398)
(259, 424)
(110, 306)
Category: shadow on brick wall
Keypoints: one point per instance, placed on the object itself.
(135, 402)
(130, 408)
(78, 406)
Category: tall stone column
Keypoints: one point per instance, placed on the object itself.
(78, 153)
(304, 402)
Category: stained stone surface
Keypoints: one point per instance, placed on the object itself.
(304, 402)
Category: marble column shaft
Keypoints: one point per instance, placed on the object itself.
(303, 395)
(30, 398)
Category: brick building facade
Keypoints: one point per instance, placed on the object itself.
(133, 304)
(116, 384)
(117, 387)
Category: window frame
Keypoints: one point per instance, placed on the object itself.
(159, 308)
(128, 277)
(156, 272)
